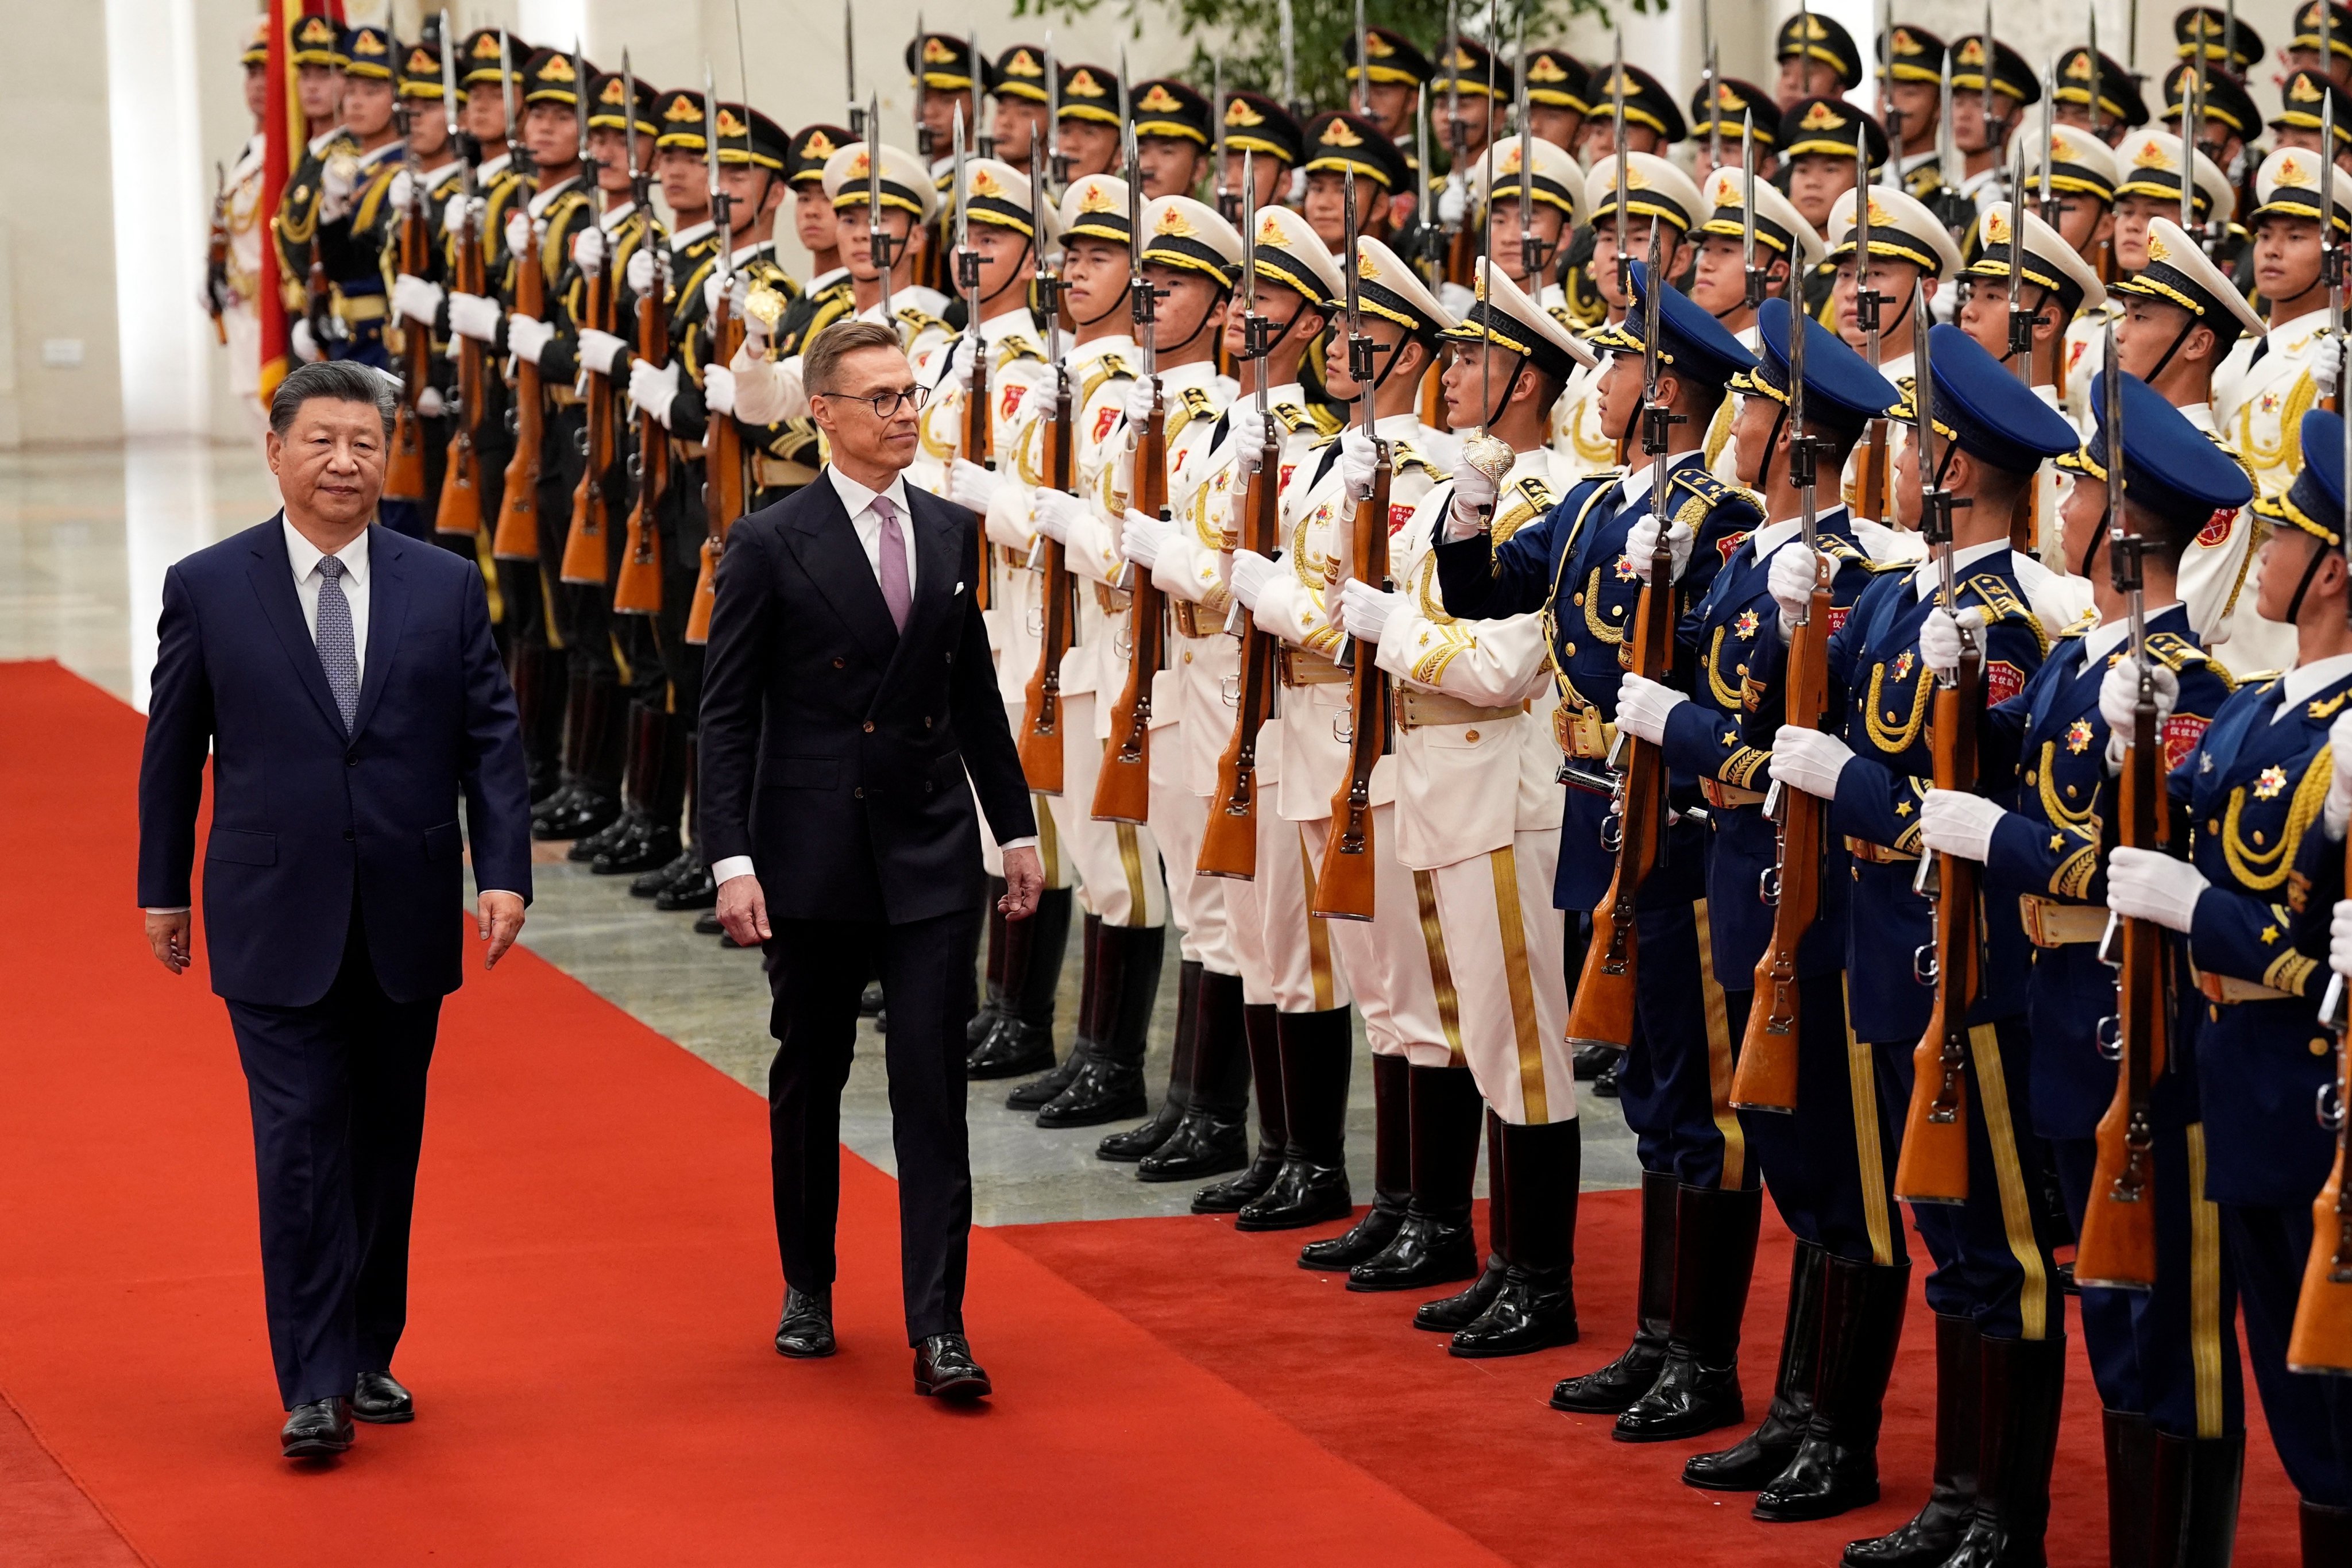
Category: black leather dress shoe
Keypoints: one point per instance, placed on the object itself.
(1103, 1091)
(575, 811)
(1232, 1196)
(1370, 1235)
(1204, 1144)
(944, 1369)
(1451, 1314)
(1043, 1089)
(588, 846)
(1423, 1252)
(1590, 1059)
(1534, 1311)
(1012, 1049)
(805, 1332)
(1688, 1399)
(1303, 1194)
(696, 889)
(378, 1399)
(319, 1430)
(647, 884)
(1604, 1082)
(647, 845)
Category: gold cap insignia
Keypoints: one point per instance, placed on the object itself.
(728, 125)
(1159, 101)
(1174, 223)
(1269, 230)
(315, 30)
(2151, 153)
(819, 145)
(859, 167)
(1239, 112)
(1545, 68)
(1821, 117)
(1083, 84)
(1996, 228)
(1509, 163)
(1094, 196)
(2304, 90)
(557, 68)
(2156, 249)
(1461, 59)
(1339, 133)
(2078, 66)
(2291, 171)
(1728, 97)
(682, 110)
(612, 92)
(1377, 46)
(936, 51)
(422, 61)
(1904, 44)
(486, 48)
(367, 41)
(1365, 267)
(1972, 52)
(1636, 178)
(984, 184)
(1022, 64)
(1879, 216)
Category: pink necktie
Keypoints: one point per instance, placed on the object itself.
(895, 591)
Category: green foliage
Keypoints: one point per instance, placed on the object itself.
(1246, 35)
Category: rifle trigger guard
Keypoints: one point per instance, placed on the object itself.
(1924, 967)
(579, 440)
(1343, 727)
(2109, 1037)
(2328, 1109)
(1767, 886)
(1037, 620)
(1229, 689)
(1612, 832)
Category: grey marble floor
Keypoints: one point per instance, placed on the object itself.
(85, 538)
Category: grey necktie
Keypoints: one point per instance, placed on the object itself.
(338, 652)
(896, 591)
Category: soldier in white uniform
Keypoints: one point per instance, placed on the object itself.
(1786, 247)
(2273, 377)
(1478, 810)
(230, 290)
(2181, 316)
(1534, 215)
(1656, 193)
(2148, 166)
(1297, 281)
(1425, 1103)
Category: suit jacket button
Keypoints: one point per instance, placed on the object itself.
(351, 760)
(869, 726)
(839, 663)
(859, 793)
(349, 836)
(927, 720)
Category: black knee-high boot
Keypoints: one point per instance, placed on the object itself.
(1835, 1468)
(1109, 1085)
(1451, 1314)
(992, 999)
(1391, 1173)
(1022, 1041)
(1611, 1390)
(1041, 1089)
(2197, 1480)
(1536, 1307)
(1312, 1184)
(1434, 1244)
(1751, 1464)
(1137, 1142)
(1237, 1054)
(641, 757)
(2025, 1384)
(686, 882)
(652, 838)
(1928, 1537)
(1697, 1389)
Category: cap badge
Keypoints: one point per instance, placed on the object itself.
(1996, 226)
(936, 51)
(1174, 223)
(1022, 63)
(557, 68)
(1269, 230)
(2078, 66)
(984, 184)
(730, 126)
(2156, 249)
(1377, 46)
(1083, 84)
(367, 41)
(1095, 196)
(1339, 133)
(1821, 117)
(1545, 68)
(1159, 101)
(1239, 112)
(819, 145)
(682, 110)
(2303, 89)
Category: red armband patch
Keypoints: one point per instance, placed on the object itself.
(2002, 680)
(1838, 613)
(1398, 516)
(1729, 542)
(2181, 733)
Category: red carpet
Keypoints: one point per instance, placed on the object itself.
(596, 1283)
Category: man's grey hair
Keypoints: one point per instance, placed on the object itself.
(339, 381)
(838, 342)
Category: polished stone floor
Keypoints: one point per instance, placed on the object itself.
(85, 539)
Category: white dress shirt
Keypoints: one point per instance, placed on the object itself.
(858, 502)
(305, 556)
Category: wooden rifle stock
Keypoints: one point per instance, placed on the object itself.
(1934, 1165)
(2321, 1339)
(586, 559)
(1229, 844)
(404, 472)
(1344, 880)
(460, 508)
(2117, 1245)
(1123, 788)
(517, 537)
(216, 261)
(1601, 1013)
(722, 479)
(1041, 713)
(1871, 489)
(980, 446)
(639, 590)
(1766, 1075)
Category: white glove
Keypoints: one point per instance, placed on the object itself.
(1452, 205)
(528, 337)
(957, 377)
(1472, 507)
(472, 316)
(1953, 822)
(1139, 538)
(718, 389)
(970, 485)
(1364, 611)
(735, 296)
(1643, 705)
(1251, 573)
(1357, 460)
(306, 346)
(602, 352)
(1805, 759)
(1791, 578)
(414, 299)
(2339, 811)
(1248, 438)
(1138, 402)
(2119, 695)
(1939, 638)
(1053, 511)
(518, 231)
(403, 190)
(2323, 370)
(588, 248)
(654, 387)
(2150, 885)
(430, 403)
(1642, 546)
(336, 183)
(639, 274)
(453, 216)
(2339, 939)
(1457, 299)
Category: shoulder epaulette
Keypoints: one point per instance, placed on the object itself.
(2081, 625)
(1294, 419)
(919, 321)
(1869, 563)
(1111, 367)
(1198, 404)
(1707, 490)
(2005, 604)
(1017, 350)
(2176, 652)
(1404, 455)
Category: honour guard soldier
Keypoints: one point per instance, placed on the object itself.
(1652, 122)
(828, 298)
(1256, 933)
(1468, 113)
(351, 208)
(2226, 42)
(946, 78)
(416, 298)
(1986, 112)
(1656, 195)
(233, 273)
(314, 48)
(2249, 794)
(1817, 141)
(1814, 1451)
(2166, 1360)
(1911, 71)
(1994, 1289)
(1270, 137)
(1005, 238)
(1473, 811)
(2298, 123)
(1019, 122)
(1584, 568)
(1727, 114)
(1108, 860)
(311, 197)
(2274, 375)
(1555, 102)
(2121, 109)
(1425, 1100)
(1787, 249)
(1172, 125)
(2181, 316)
(2148, 186)
(2230, 120)
(1336, 143)
(1817, 59)
(1086, 136)
(2329, 52)
(1385, 94)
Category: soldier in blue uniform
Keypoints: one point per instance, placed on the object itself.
(1994, 1282)
(2251, 791)
(1584, 566)
(1721, 733)
(2165, 1360)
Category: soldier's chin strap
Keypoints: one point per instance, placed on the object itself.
(1772, 446)
(2194, 321)
(2319, 553)
(1180, 344)
(1487, 415)
(1119, 302)
(1015, 275)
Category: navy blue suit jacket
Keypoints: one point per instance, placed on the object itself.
(835, 747)
(305, 817)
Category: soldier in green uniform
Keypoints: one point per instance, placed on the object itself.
(1086, 135)
(416, 297)
(1911, 69)
(315, 49)
(790, 459)
(1018, 123)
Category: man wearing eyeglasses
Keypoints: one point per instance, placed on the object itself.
(850, 717)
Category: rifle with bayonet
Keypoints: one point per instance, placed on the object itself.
(1123, 788)
(638, 589)
(1041, 712)
(1934, 1164)
(403, 471)
(1229, 846)
(1344, 880)
(459, 510)
(216, 251)
(2117, 1248)
(723, 486)
(880, 243)
(1602, 1011)
(1458, 242)
(1872, 492)
(2025, 517)
(586, 554)
(516, 537)
(979, 422)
